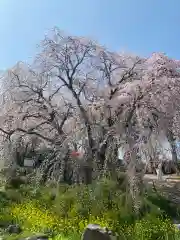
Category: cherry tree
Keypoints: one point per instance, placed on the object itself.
(78, 91)
(86, 71)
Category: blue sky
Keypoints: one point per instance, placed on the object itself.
(137, 26)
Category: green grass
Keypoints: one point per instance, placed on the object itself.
(29, 234)
(25, 234)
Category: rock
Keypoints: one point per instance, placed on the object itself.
(177, 226)
(37, 237)
(96, 232)
(14, 229)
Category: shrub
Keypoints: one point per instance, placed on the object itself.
(32, 216)
(154, 228)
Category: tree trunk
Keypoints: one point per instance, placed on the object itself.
(88, 175)
(172, 142)
(134, 170)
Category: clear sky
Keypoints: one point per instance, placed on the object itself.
(137, 26)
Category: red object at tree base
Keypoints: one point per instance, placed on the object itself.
(75, 154)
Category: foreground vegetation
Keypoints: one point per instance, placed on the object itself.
(65, 211)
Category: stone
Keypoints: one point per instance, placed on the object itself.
(14, 229)
(177, 226)
(37, 237)
(96, 232)
(159, 174)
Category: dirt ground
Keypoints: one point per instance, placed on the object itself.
(169, 186)
(166, 178)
